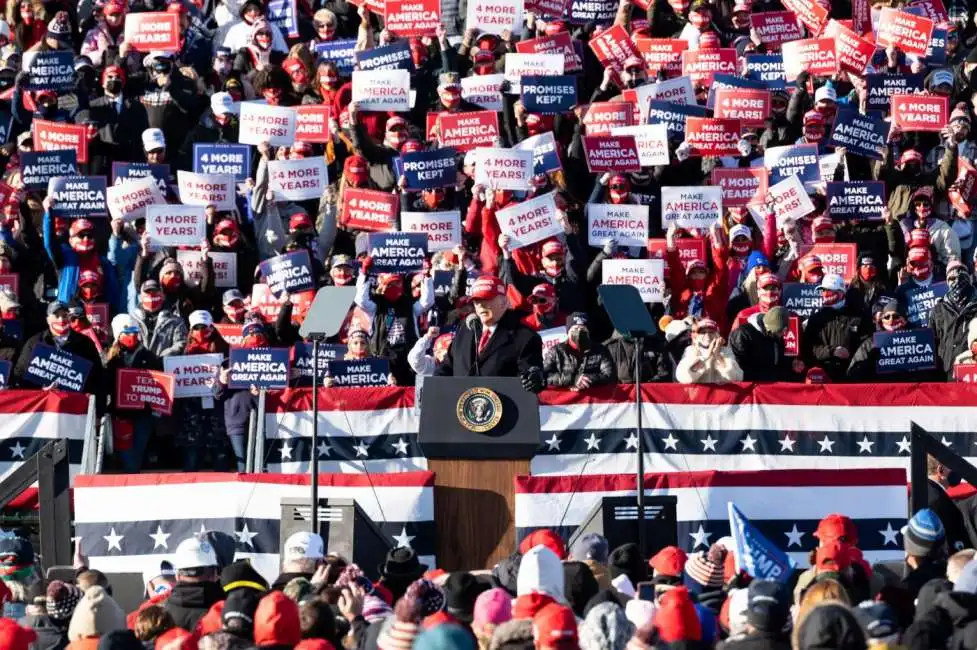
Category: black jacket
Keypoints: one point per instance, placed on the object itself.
(760, 356)
(77, 344)
(188, 602)
(949, 324)
(512, 350)
(864, 368)
(937, 500)
(758, 641)
(119, 132)
(830, 328)
(916, 578)
(283, 579)
(655, 365)
(563, 365)
(50, 635)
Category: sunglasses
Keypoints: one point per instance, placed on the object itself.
(891, 316)
(619, 187)
(324, 25)
(85, 235)
(920, 265)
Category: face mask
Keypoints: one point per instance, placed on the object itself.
(450, 100)
(47, 109)
(867, 273)
(543, 307)
(341, 276)
(705, 340)
(226, 239)
(741, 246)
(697, 283)
(699, 20)
(254, 341)
(151, 302)
(113, 86)
(430, 199)
(88, 293)
(833, 298)
(824, 236)
(59, 328)
(263, 41)
(86, 245)
(552, 267)
(272, 96)
(199, 334)
(395, 139)
(744, 147)
(580, 339)
(171, 283)
(78, 325)
(128, 341)
(222, 66)
(236, 314)
(813, 135)
(892, 325)
(769, 297)
(619, 196)
(393, 291)
(920, 271)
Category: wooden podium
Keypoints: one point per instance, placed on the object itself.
(478, 434)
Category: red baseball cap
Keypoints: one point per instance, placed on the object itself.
(487, 287)
(552, 248)
(670, 561)
(80, 225)
(546, 537)
(299, 220)
(554, 625)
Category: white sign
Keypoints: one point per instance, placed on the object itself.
(483, 90)
(443, 228)
(678, 91)
(530, 221)
(627, 224)
(504, 169)
(647, 276)
(129, 200)
(263, 123)
(552, 337)
(517, 65)
(652, 141)
(495, 16)
(206, 189)
(193, 374)
(176, 225)
(298, 180)
(790, 200)
(691, 206)
(382, 90)
(225, 267)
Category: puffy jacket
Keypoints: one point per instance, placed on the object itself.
(949, 323)
(714, 295)
(276, 621)
(830, 328)
(655, 365)
(164, 333)
(189, 602)
(759, 355)
(563, 365)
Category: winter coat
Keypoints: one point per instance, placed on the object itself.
(655, 365)
(513, 635)
(50, 635)
(188, 602)
(714, 295)
(164, 333)
(830, 328)
(568, 284)
(757, 641)
(75, 343)
(950, 324)
(138, 359)
(66, 260)
(710, 372)
(864, 368)
(760, 356)
(563, 366)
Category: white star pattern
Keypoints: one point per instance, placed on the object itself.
(794, 536)
(700, 538)
(361, 450)
(865, 445)
(285, 451)
(708, 444)
(749, 442)
(400, 446)
(787, 444)
(890, 535)
(631, 441)
(159, 538)
(553, 443)
(946, 443)
(17, 450)
(114, 541)
(244, 536)
(826, 444)
(904, 445)
(671, 442)
(324, 449)
(403, 539)
(593, 442)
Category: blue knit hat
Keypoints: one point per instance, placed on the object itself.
(591, 546)
(444, 637)
(924, 534)
(755, 259)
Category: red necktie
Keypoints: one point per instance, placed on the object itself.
(483, 341)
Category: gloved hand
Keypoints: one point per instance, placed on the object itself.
(532, 380)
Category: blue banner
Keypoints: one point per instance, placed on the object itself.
(799, 160)
(546, 158)
(78, 196)
(230, 159)
(862, 135)
(39, 167)
(5, 368)
(395, 56)
(768, 68)
(673, 115)
(281, 13)
(397, 252)
(258, 367)
(755, 554)
(855, 200)
(430, 169)
(905, 351)
(342, 53)
(54, 70)
(801, 299)
(14, 329)
(548, 95)
(882, 86)
(302, 360)
(443, 280)
(291, 272)
(360, 372)
(920, 302)
(581, 12)
(49, 366)
(936, 52)
(123, 171)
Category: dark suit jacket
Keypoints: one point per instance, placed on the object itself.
(513, 349)
(119, 134)
(940, 502)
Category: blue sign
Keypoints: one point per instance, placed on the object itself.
(905, 351)
(14, 329)
(546, 157)
(397, 252)
(768, 68)
(882, 86)
(721, 80)
(863, 135)
(920, 302)
(51, 366)
(801, 299)
(39, 167)
(395, 56)
(124, 171)
(548, 95)
(53, 70)
(5, 367)
(799, 160)
(258, 367)
(936, 52)
(755, 554)
(230, 159)
(360, 372)
(281, 13)
(302, 360)
(673, 115)
(855, 200)
(342, 53)
(581, 12)
(430, 169)
(290, 272)
(78, 196)
(443, 281)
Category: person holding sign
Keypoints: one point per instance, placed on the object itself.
(698, 290)
(358, 348)
(560, 267)
(578, 363)
(164, 332)
(759, 347)
(79, 253)
(864, 363)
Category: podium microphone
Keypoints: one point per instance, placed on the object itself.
(473, 323)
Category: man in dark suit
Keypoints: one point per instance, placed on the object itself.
(494, 343)
(120, 121)
(940, 477)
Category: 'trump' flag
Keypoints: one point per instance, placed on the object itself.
(755, 554)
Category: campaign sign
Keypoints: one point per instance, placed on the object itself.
(546, 159)
(626, 224)
(530, 221)
(691, 206)
(678, 91)
(230, 332)
(936, 52)
(801, 299)
(792, 338)
(518, 66)
(395, 56)
(701, 65)
(259, 367)
(483, 90)
(776, 27)
(855, 200)
(397, 252)
(298, 180)
(920, 302)
(129, 200)
(282, 14)
(264, 123)
(600, 118)
(613, 46)
(552, 337)
(58, 136)
(905, 351)
(302, 360)
(495, 16)
(137, 389)
(883, 86)
(360, 372)
(647, 276)
(176, 225)
(207, 189)
(123, 172)
(549, 95)
(39, 167)
(962, 372)
(652, 141)
(835, 258)
(9, 282)
(611, 153)
(51, 366)
(581, 12)
(863, 135)
(341, 52)
(919, 112)
(409, 18)
(731, 82)
(225, 159)
(98, 314)
(662, 54)
(194, 375)
(53, 70)
(809, 12)
(674, 116)
(712, 137)
(790, 200)
(799, 160)
(443, 228)
(369, 210)
(852, 52)
(382, 90)
(291, 272)
(465, 131)
(153, 30)
(768, 68)
(312, 123)
(504, 169)
(740, 186)
(5, 368)
(225, 267)
(906, 32)
(815, 55)
(427, 170)
(750, 107)
(560, 43)
(932, 9)
(78, 196)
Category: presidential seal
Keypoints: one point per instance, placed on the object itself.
(479, 409)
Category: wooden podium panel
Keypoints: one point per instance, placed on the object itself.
(474, 508)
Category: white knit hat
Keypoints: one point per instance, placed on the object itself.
(96, 615)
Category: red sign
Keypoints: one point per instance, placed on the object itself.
(776, 27)
(835, 258)
(465, 131)
(600, 117)
(741, 185)
(932, 9)
(153, 30)
(5, 192)
(961, 193)
(701, 65)
(792, 337)
(662, 54)
(613, 47)
(231, 333)
(551, 8)
(560, 43)
(688, 249)
(55, 136)
(611, 153)
(410, 18)
(907, 32)
(919, 112)
(749, 106)
(810, 12)
(98, 314)
(10, 282)
(861, 16)
(852, 52)
(965, 372)
(815, 55)
(369, 210)
(135, 389)
(312, 123)
(707, 136)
